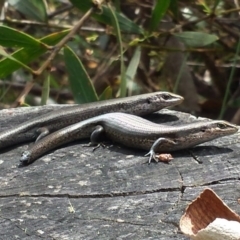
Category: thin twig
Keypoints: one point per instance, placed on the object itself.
(50, 25)
(55, 51)
(20, 100)
(63, 42)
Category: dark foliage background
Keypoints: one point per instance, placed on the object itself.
(121, 48)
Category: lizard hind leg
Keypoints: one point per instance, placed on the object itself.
(155, 146)
(94, 138)
(43, 132)
(96, 134)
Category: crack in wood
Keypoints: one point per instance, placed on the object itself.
(108, 195)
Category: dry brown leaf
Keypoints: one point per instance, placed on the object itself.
(203, 211)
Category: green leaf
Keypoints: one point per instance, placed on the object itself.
(123, 85)
(158, 12)
(125, 24)
(106, 94)
(3, 53)
(36, 10)
(229, 83)
(235, 103)
(173, 7)
(196, 39)
(10, 37)
(26, 55)
(81, 84)
(45, 90)
(132, 68)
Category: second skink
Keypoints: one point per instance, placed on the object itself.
(133, 131)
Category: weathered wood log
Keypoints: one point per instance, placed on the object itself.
(75, 193)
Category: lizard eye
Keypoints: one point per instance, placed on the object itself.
(221, 125)
(203, 129)
(149, 101)
(166, 96)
